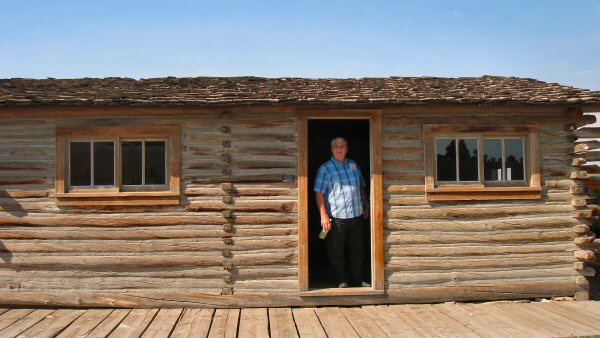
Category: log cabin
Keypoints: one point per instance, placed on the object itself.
(197, 192)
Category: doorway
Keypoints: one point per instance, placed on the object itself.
(320, 132)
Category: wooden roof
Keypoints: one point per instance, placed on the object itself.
(230, 91)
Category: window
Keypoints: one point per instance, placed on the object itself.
(117, 165)
(481, 162)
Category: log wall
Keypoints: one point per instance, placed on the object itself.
(236, 229)
(493, 243)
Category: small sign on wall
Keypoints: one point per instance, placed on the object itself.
(288, 178)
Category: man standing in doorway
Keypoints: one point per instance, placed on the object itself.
(343, 205)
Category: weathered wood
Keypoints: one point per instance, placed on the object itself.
(23, 324)
(84, 325)
(585, 255)
(477, 250)
(8, 318)
(193, 323)
(225, 323)
(53, 323)
(476, 212)
(335, 323)
(492, 237)
(307, 323)
(281, 323)
(584, 241)
(108, 325)
(254, 323)
(163, 323)
(135, 323)
(475, 263)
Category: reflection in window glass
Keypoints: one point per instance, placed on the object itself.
(155, 162)
(492, 159)
(467, 154)
(80, 164)
(131, 159)
(104, 163)
(514, 159)
(446, 159)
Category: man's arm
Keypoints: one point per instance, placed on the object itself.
(325, 219)
(363, 192)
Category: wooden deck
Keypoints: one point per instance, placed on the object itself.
(548, 319)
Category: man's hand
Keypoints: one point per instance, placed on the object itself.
(325, 223)
(365, 214)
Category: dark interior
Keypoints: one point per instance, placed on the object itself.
(320, 134)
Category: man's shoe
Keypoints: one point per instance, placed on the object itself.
(365, 284)
(343, 285)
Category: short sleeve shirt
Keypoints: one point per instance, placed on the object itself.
(340, 183)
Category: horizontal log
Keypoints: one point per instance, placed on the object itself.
(578, 202)
(115, 283)
(545, 222)
(132, 220)
(581, 229)
(476, 212)
(560, 184)
(24, 193)
(14, 261)
(500, 237)
(477, 250)
(584, 241)
(241, 191)
(141, 247)
(405, 189)
(244, 205)
(590, 156)
(434, 294)
(242, 273)
(236, 178)
(477, 263)
(141, 234)
(585, 255)
(587, 132)
(456, 278)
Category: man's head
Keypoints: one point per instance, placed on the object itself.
(339, 148)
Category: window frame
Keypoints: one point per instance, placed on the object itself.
(529, 188)
(118, 194)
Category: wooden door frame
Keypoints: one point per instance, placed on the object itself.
(377, 257)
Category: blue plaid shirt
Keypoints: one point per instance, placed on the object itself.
(340, 183)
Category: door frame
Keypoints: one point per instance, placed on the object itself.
(376, 179)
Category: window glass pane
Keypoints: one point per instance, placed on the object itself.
(446, 159)
(514, 159)
(467, 165)
(131, 160)
(80, 165)
(104, 163)
(155, 162)
(492, 159)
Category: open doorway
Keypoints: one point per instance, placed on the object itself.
(320, 133)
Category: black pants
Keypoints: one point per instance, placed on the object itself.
(346, 236)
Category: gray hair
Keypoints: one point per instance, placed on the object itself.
(338, 139)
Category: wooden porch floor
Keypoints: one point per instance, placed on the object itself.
(549, 319)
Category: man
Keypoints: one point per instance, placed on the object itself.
(343, 205)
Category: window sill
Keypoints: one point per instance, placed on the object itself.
(118, 198)
(481, 193)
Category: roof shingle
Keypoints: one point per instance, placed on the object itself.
(225, 91)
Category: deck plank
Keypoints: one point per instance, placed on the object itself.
(193, 323)
(135, 323)
(364, 325)
(475, 323)
(109, 323)
(409, 312)
(505, 320)
(392, 323)
(254, 322)
(307, 323)
(443, 324)
(225, 323)
(534, 320)
(8, 318)
(84, 325)
(335, 323)
(500, 323)
(25, 323)
(53, 324)
(281, 323)
(564, 319)
(574, 314)
(163, 323)
(2, 310)
(589, 306)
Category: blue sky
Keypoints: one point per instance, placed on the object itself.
(554, 41)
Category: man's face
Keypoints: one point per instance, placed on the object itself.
(339, 150)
